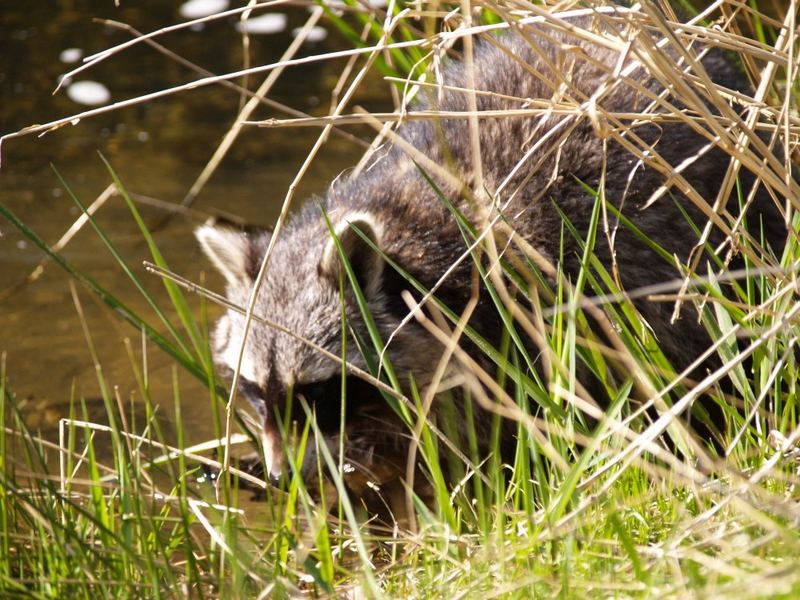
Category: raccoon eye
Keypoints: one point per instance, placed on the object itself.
(325, 398)
(316, 393)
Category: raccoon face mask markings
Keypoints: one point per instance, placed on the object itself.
(324, 398)
(254, 393)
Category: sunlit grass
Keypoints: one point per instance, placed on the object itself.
(618, 501)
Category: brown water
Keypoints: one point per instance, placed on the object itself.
(158, 149)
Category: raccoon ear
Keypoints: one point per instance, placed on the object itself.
(366, 261)
(234, 253)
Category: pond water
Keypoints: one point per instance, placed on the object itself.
(158, 149)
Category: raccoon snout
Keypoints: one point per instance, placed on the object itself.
(272, 444)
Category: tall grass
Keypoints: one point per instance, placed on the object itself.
(612, 501)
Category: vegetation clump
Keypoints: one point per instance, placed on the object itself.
(615, 501)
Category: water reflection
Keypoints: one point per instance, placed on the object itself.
(158, 150)
(89, 93)
(263, 24)
(196, 9)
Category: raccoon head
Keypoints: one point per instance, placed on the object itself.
(301, 298)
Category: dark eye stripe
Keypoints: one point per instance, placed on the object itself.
(321, 391)
(251, 390)
(325, 399)
(244, 386)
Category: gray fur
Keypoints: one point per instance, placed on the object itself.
(393, 204)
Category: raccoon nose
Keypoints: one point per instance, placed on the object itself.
(273, 450)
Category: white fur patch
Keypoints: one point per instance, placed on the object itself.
(248, 368)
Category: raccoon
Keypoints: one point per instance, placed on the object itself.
(397, 221)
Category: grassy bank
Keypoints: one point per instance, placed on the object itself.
(618, 501)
